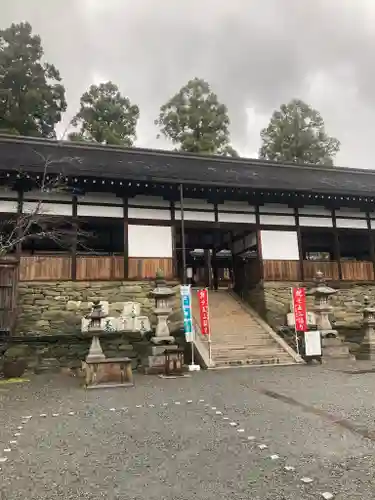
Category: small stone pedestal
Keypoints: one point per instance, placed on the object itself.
(332, 345)
(101, 372)
(367, 348)
(108, 372)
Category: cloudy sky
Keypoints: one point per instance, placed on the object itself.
(256, 54)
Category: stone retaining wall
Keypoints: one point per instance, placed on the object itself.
(49, 308)
(272, 301)
(48, 328)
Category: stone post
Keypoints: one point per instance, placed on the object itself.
(367, 348)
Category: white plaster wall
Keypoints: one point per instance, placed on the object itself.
(45, 196)
(250, 240)
(192, 203)
(148, 213)
(103, 211)
(148, 201)
(198, 216)
(314, 210)
(350, 212)
(235, 206)
(351, 223)
(150, 241)
(315, 221)
(6, 192)
(100, 198)
(247, 218)
(279, 245)
(276, 208)
(8, 206)
(278, 220)
(47, 208)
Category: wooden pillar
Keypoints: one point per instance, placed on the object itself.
(174, 248)
(300, 249)
(126, 238)
(336, 244)
(259, 243)
(371, 241)
(19, 214)
(73, 269)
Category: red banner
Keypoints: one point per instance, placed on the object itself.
(203, 309)
(299, 309)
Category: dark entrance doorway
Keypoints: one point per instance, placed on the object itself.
(208, 257)
(217, 257)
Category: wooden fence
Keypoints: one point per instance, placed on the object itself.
(45, 267)
(281, 270)
(147, 268)
(290, 270)
(8, 294)
(90, 267)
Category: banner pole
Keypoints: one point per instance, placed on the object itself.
(192, 345)
(209, 331)
(295, 324)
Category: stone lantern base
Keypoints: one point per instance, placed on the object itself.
(366, 352)
(153, 363)
(335, 348)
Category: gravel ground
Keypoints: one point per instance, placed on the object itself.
(189, 438)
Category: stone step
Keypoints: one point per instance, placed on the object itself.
(238, 338)
(254, 361)
(249, 354)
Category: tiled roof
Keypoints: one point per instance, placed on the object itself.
(165, 166)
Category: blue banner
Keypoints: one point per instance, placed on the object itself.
(185, 291)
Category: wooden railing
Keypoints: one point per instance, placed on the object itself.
(90, 267)
(289, 270)
(281, 270)
(147, 268)
(357, 271)
(328, 268)
(45, 267)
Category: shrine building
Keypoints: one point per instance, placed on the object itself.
(148, 210)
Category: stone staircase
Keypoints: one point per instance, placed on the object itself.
(239, 336)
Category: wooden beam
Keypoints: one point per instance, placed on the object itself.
(74, 245)
(19, 213)
(174, 249)
(126, 239)
(299, 240)
(336, 244)
(371, 240)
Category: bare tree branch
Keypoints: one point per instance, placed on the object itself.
(35, 223)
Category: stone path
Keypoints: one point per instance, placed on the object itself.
(272, 433)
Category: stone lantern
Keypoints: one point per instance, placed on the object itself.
(321, 293)
(332, 345)
(367, 348)
(163, 296)
(94, 328)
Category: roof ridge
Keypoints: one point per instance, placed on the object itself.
(244, 161)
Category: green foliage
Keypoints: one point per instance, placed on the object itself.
(106, 117)
(296, 134)
(32, 98)
(195, 121)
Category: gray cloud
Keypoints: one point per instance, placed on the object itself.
(256, 54)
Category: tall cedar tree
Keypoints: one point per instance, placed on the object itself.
(296, 134)
(106, 117)
(196, 121)
(32, 98)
